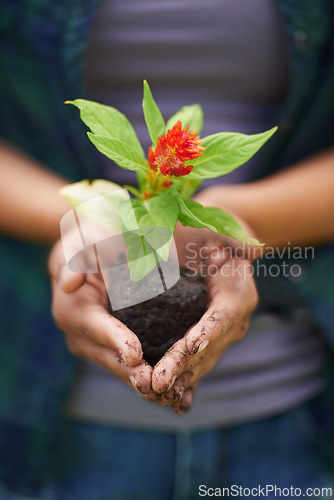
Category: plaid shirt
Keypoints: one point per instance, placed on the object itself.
(41, 47)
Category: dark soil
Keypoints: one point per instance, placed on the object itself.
(161, 321)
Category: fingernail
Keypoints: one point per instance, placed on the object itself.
(202, 346)
(171, 383)
(134, 383)
(181, 391)
(124, 358)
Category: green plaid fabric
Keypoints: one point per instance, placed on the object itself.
(41, 47)
(306, 126)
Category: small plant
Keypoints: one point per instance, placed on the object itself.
(178, 161)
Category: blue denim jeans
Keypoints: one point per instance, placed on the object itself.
(94, 462)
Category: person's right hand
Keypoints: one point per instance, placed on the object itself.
(79, 308)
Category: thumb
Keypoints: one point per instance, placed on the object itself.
(68, 280)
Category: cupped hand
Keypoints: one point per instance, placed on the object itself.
(80, 305)
(232, 299)
(79, 308)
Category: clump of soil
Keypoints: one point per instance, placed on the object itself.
(161, 321)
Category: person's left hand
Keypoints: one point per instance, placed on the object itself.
(233, 297)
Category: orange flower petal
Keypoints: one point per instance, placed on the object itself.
(174, 149)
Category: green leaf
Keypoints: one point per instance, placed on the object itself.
(226, 224)
(141, 180)
(225, 152)
(163, 210)
(148, 229)
(187, 187)
(133, 190)
(153, 117)
(119, 152)
(140, 267)
(131, 218)
(152, 217)
(162, 213)
(141, 257)
(193, 214)
(188, 115)
(107, 121)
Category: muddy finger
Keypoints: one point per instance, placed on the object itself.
(138, 377)
(184, 405)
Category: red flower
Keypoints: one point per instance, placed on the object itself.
(174, 149)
